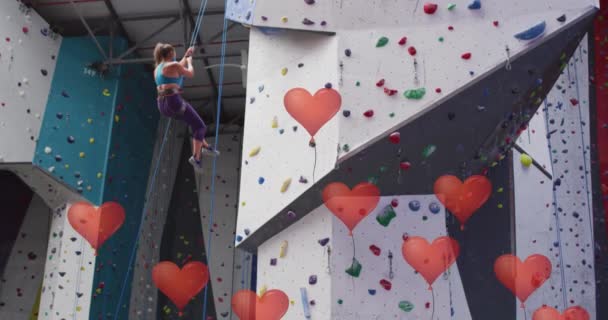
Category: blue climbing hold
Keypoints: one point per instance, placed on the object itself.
(372, 291)
(414, 205)
(533, 32)
(261, 180)
(434, 208)
(475, 5)
(239, 238)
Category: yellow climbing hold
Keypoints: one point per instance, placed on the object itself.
(99, 175)
(243, 203)
(500, 206)
(82, 155)
(283, 251)
(284, 19)
(254, 152)
(292, 302)
(92, 140)
(106, 92)
(89, 120)
(263, 290)
(89, 188)
(78, 308)
(525, 159)
(67, 166)
(284, 71)
(275, 122)
(116, 118)
(285, 185)
(500, 189)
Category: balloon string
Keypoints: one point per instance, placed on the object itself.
(433, 295)
(314, 167)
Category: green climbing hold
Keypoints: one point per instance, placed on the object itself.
(406, 306)
(440, 39)
(345, 148)
(340, 301)
(415, 94)
(384, 218)
(373, 180)
(355, 269)
(428, 150)
(381, 42)
(392, 114)
(451, 6)
(383, 169)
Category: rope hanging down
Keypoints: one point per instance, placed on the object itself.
(152, 185)
(213, 174)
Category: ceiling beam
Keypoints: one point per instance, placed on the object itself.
(116, 21)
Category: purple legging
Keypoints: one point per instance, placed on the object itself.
(176, 107)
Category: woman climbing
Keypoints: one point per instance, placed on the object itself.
(169, 75)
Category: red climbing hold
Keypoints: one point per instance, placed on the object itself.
(386, 284)
(412, 51)
(574, 102)
(25, 30)
(380, 83)
(430, 8)
(394, 203)
(403, 41)
(375, 250)
(451, 28)
(405, 165)
(369, 113)
(495, 23)
(390, 92)
(395, 137)
(438, 90)
(466, 56)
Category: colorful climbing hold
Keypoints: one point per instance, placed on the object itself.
(395, 137)
(405, 165)
(412, 51)
(380, 83)
(323, 242)
(532, 32)
(355, 268)
(451, 6)
(384, 218)
(369, 113)
(475, 5)
(254, 152)
(375, 250)
(387, 285)
(525, 160)
(430, 8)
(466, 56)
(285, 185)
(402, 41)
(381, 42)
(284, 71)
(406, 306)
(428, 150)
(415, 94)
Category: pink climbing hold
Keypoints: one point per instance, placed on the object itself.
(380, 83)
(375, 250)
(369, 113)
(25, 30)
(403, 41)
(466, 56)
(390, 92)
(430, 8)
(395, 137)
(412, 51)
(394, 203)
(438, 90)
(574, 102)
(451, 28)
(495, 23)
(405, 165)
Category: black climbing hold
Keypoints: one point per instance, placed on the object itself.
(309, 1)
(323, 23)
(346, 113)
(44, 72)
(71, 139)
(59, 115)
(328, 85)
(300, 65)
(562, 18)
(324, 241)
(347, 52)
(307, 22)
(312, 144)
(451, 115)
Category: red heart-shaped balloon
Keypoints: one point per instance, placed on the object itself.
(522, 278)
(272, 305)
(96, 225)
(463, 199)
(312, 112)
(430, 260)
(351, 206)
(180, 285)
(572, 313)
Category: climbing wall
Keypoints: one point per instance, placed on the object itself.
(553, 214)
(21, 279)
(144, 295)
(28, 51)
(221, 256)
(387, 78)
(75, 134)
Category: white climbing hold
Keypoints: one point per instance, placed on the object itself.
(37, 115)
(21, 93)
(48, 150)
(25, 81)
(51, 169)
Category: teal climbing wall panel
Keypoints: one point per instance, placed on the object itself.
(130, 160)
(75, 132)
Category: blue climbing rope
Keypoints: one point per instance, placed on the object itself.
(217, 131)
(193, 40)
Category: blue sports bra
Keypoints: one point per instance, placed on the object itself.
(161, 79)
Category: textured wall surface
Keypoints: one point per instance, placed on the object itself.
(28, 52)
(21, 279)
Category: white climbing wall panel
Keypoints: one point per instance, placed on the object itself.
(303, 257)
(284, 151)
(27, 63)
(373, 70)
(222, 255)
(554, 218)
(377, 14)
(22, 278)
(365, 297)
